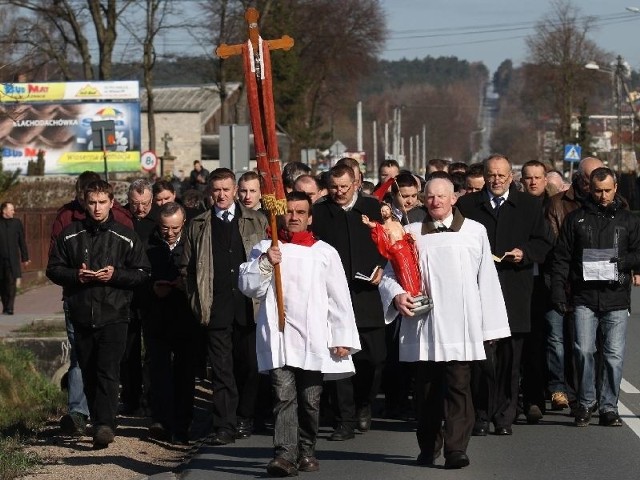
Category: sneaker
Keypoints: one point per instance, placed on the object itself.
(610, 419)
(73, 424)
(102, 437)
(559, 401)
(583, 416)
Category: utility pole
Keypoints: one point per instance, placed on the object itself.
(618, 79)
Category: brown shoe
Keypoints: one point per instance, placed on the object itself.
(559, 401)
(279, 467)
(308, 464)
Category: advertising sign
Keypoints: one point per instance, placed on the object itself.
(57, 118)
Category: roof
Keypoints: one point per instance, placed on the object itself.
(203, 99)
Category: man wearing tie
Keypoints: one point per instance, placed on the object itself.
(519, 237)
(217, 242)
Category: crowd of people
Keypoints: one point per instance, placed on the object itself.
(468, 297)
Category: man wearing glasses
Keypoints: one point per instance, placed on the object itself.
(145, 216)
(338, 221)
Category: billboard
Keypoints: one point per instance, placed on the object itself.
(57, 118)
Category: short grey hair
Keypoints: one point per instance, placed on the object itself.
(439, 179)
(171, 208)
(139, 186)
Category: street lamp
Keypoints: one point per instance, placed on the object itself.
(617, 75)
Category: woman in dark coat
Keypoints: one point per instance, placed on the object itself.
(12, 247)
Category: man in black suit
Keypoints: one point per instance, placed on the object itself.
(338, 221)
(518, 237)
(12, 247)
(216, 243)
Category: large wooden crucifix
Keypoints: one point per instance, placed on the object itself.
(257, 74)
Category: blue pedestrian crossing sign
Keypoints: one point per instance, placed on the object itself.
(572, 153)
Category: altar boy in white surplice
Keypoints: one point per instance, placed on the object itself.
(459, 274)
(319, 336)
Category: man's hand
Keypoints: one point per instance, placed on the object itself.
(104, 274)
(404, 304)
(377, 277)
(514, 256)
(162, 288)
(340, 351)
(560, 307)
(274, 255)
(85, 275)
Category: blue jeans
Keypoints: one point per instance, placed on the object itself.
(76, 400)
(555, 351)
(613, 326)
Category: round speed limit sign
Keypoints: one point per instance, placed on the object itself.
(148, 160)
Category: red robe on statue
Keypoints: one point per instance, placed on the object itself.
(403, 257)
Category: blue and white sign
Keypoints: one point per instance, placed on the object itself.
(572, 153)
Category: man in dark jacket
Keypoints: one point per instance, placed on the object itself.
(338, 221)
(598, 247)
(98, 262)
(12, 247)
(172, 332)
(518, 238)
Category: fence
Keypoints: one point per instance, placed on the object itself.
(37, 229)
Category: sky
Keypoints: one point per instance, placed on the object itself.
(494, 30)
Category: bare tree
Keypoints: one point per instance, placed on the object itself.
(58, 31)
(559, 50)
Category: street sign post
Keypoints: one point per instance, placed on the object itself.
(572, 153)
(103, 136)
(148, 160)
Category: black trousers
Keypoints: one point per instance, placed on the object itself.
(497, 382)
(234, 374)
(172, 368)
(534, 360)
(359, 391)
(131, 367)
(443, 391)
(7, 287)
(99, 353)
(396, 375)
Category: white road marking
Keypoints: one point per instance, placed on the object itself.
(626, 387)
(630, 418)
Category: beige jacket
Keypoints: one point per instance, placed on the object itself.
(197, 260)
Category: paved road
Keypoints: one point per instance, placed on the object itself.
(554, 449)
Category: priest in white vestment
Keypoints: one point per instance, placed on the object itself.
(319, 335)
(459, 274)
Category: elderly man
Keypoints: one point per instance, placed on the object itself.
(519, 238)
(455, 262)
(216, 244)
(319, 334)
(599, 245)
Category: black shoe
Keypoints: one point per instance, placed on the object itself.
(73, 424)
(342, 433)
(364, 418)
(8, 312)
(279, 467)
(222, 437)
(102, 437)
(610, 419)
(427, 458)
(456, 460)
(533, 414)
(582, 416)
(503, 431)
(308, 464)
(158, 432)
(180, 439)
(244, 428)
(480, 429)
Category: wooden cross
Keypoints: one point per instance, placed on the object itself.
(251, 16)
(166, 139)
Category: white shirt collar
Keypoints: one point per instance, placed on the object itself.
(350, 205)
(505, 195)
(231, 210)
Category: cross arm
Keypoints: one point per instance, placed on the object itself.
(226, 51)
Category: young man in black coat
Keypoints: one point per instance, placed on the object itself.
(12, 247)
(519, 237)
(338, 221)
(99, 262)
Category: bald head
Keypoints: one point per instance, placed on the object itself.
(585, 167)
